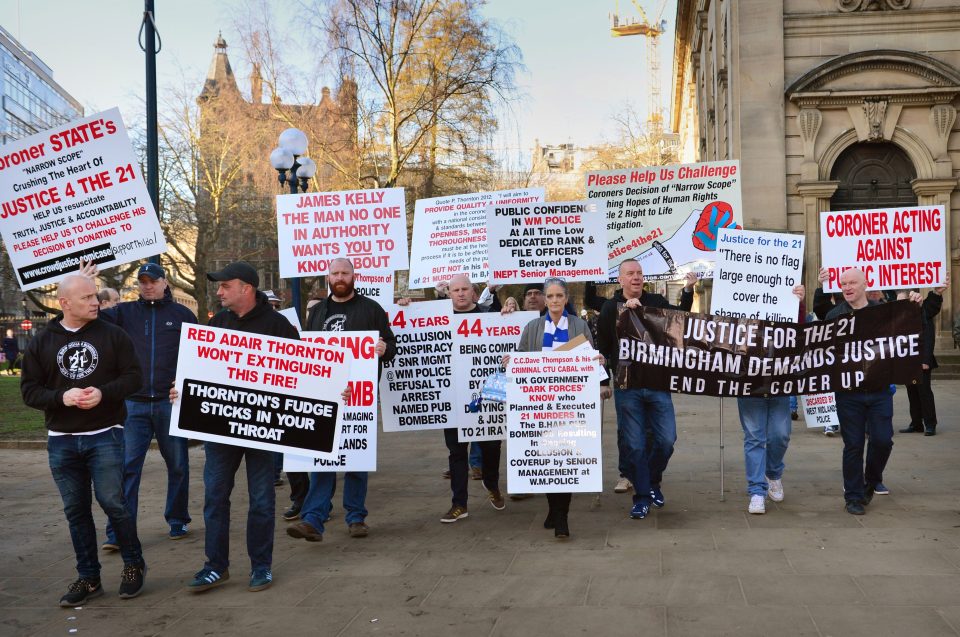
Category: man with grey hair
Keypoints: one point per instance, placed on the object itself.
(78, 371)
(108, 298)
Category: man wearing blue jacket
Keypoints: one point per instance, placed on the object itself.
(153, 323)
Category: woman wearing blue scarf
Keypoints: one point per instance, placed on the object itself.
(556, 327)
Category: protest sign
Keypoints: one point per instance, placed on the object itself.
(479, 343)
(532, 242)
(378, 286)
(291, 315)
(75, 192)
(553, 416)
(726, 356)
(820, 410)
(756, 273)
(416, 389)
(263, 392)
(667, 217)
(358, 433)
(450, 234)
(896, 248)
(369, 227)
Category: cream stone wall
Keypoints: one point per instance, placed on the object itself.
(766, 82)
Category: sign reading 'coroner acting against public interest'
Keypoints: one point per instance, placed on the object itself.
(74, 192)
(896, 249)
(263, 392)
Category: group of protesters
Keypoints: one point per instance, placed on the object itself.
(104, 378)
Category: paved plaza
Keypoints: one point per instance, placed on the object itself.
(699, 566)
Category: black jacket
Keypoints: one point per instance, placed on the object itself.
(154, 327)
(262, 319)
(364, 314)
(98, 355)
(608, 344)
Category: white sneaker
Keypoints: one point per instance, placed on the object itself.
(830, 431)
(623, 485)
(757, 505)
(775, 490)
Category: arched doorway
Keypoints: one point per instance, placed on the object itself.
(873, 176)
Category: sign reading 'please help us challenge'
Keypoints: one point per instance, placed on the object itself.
(258, 391)
(74, 192)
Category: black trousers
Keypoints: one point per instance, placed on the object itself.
(299, 485)
(923, 409)
(460, 466)
(559, 502)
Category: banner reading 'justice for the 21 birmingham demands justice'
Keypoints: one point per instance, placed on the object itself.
(74, 192)
(667, 217)
(726, 356)
(263, 392)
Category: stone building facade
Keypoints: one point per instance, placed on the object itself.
(828, 105)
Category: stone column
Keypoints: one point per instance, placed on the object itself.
(936, 192)
(816, 199)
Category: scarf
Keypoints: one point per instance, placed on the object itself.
(557, 334)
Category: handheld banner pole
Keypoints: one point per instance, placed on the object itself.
(722, 495)
(596, 499)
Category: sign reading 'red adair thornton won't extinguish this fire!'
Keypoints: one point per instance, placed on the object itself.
(727, 356)
(263, 392)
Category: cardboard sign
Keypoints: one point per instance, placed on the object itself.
(377, 286)
(479, 344)
(257, 391)
(820, 410)
(450, 234)
(290, 314)
(358, 433)
(896, 249)
(75, 192)
(553, 415)
(532, 242)
(668, 217)
(756, 273)
(369, 227)
(416, 389)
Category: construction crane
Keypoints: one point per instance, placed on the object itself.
(653, 30)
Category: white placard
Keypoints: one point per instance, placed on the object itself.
(553, 417)
(291, 315)
(378, 286)
(358, 433)
(416, 388)
(820, 410)
(896, 248)
(479, 344)
(369, 227)
(75, 192)
(450, 234)
(532, 242)
(257, 391)
(756, 273)
(667, 217)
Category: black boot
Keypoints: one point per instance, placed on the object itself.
(549, 522)
(912, 429)
(561, 530)
(931, 430)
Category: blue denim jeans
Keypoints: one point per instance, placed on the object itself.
(76, 462)
(642, 413)
(319, 500)
(766, 435)
(218, 477)
(144, 421)
(476, 455)
(861, 415)
(793, 403)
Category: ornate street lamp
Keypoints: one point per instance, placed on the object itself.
(295, 170)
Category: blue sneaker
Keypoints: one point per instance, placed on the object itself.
(640, 510)
(260, 579)
(178, 531)
(657, 496)
(207, 578)
(880, 489)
